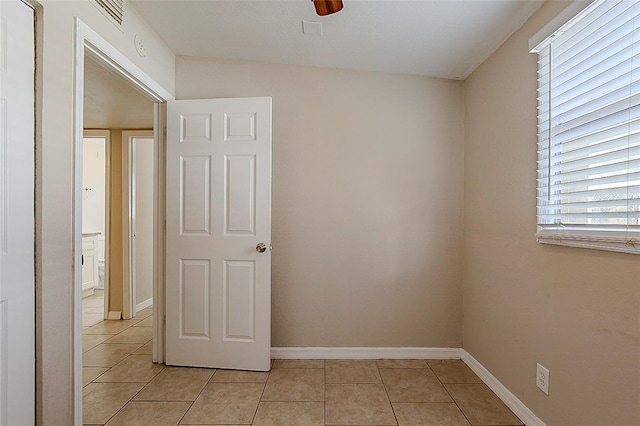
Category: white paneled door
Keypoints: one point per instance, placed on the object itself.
(218, 251)
(17, 298)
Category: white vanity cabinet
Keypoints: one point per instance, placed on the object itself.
(89, 263)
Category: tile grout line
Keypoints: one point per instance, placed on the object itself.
(198, 395)
(384, 386)
(451, 396)
(125, 404)
(324, 392)
(186, 411)
(264, 386)
(109, 368)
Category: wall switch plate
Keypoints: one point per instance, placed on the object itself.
(542, 379)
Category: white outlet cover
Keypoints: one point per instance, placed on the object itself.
(542, 378)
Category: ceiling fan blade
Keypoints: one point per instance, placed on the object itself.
(327, 7)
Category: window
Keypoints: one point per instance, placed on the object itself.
(588, 189)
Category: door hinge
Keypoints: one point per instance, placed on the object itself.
(165, 224)
(164, 320)
(164, 130)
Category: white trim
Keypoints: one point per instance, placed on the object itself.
(76, 220)
(99, 49)
(365, 353)
(159, 192)
(128, 291)
(128, 295)
(540, 39)
(522, 411)
(630, 245)
(90, 42)
(143, 305)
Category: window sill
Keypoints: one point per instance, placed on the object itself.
(622, 242)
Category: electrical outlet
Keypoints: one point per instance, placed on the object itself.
(542, 379)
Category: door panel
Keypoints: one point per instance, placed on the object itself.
(240, 182)
(195, 282)
(239, 297)
(218, 210)
(195, 195)
(17, 298)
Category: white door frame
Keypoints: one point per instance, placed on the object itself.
(89, 42)
(128, 264)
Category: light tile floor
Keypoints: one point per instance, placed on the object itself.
(123, 387)
(93, 308)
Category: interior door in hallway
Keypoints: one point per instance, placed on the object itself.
(17, 297)
(218, 251)
(141, 157)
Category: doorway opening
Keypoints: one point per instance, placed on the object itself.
(96, 57)
(95, 226)
(112, 107)
(138, 219)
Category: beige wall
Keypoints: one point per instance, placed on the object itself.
(54, 185)
(575, 311)
(367, 200)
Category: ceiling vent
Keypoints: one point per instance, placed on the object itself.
(114, 9)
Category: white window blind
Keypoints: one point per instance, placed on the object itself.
(588, 191)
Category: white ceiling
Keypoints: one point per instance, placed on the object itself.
(439, 38)
(110, 102)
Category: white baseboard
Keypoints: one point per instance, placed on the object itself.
(522, 411)
(142, 305)
(364, 353)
